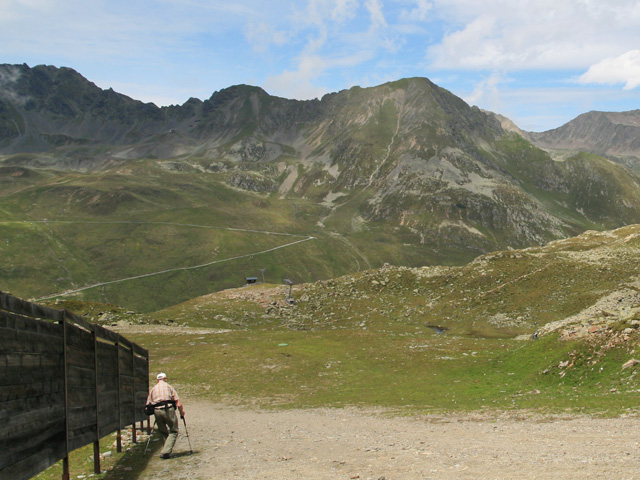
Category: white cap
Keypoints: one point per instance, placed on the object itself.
(161, 376)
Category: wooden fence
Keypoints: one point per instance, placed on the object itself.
(64, 383)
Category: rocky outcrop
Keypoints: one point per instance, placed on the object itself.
(615, 135)
(407, 159)
(586, 287)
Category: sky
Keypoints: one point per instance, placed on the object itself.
(539, 62)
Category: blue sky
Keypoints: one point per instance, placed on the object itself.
(539, 62)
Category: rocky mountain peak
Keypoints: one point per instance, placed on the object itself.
(406, 160)
(611, 134)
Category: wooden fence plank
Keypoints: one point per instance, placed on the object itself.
(83, 397)
(17, 305)
(13, 341)
(79, 339)
(126, 363)
(79, 320)
(140, 367)
(29, 423)
(32, 390)
(20, 442)
(105, 334)
(81, 417)
(108, 384)
(142, 352)
(81, 376)
(107, 428)
(38, 387)
(81, 438)
(125, 343)
(31, 360)
(23, 376)
(35, 460)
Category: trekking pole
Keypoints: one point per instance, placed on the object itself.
(149, 439)
(187, 432)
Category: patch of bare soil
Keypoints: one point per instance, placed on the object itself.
(332, 444)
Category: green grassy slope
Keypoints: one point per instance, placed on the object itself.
(411, 370)
(404, 173)
(434, 339)
(65, 231)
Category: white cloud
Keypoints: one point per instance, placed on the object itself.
(88, 30)
(535, 34)
(374, 7)
(320, 11)
(539, 107)
(486, 50)
(479, 33)
(418, 13)
(622, 69)
(321, 14)
(487, 93)
(8, 76)
(344, 10)
(298, 84)
(34, 4)
(308, 27)
(328, 38)
(261, 36)
(149, 93)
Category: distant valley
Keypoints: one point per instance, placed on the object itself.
(403, 173)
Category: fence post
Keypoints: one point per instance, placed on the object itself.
(97, 468)
(148, 418)
(133, 374)
(65, 461)
(61, 338)
(65, 468)
(119, 437)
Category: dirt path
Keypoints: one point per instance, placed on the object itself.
(231, 442)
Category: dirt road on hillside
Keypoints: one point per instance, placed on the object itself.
(334, 444)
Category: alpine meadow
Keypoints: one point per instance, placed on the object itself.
(405, 250)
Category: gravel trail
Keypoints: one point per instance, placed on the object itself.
(333, 444)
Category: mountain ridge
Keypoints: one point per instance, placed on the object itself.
(405, 170)
(47, 88)
(615, 135)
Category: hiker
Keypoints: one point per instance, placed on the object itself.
(165, 400)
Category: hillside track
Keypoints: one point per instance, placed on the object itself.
(350, 443)
(304, 238)
(175, 224)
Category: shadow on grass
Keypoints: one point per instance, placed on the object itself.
(135, 461)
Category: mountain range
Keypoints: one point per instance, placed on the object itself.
(405, 172)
